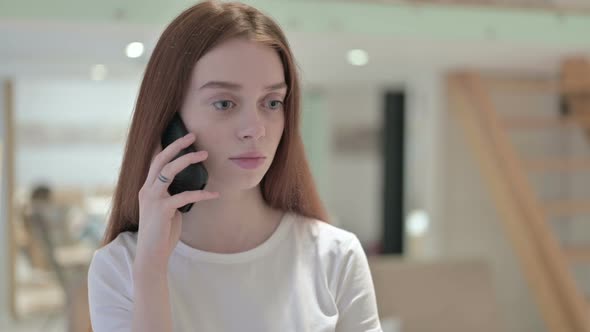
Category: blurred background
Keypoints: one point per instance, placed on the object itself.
(451, 136)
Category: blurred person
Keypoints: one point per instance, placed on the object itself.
(32, 249)
(256, 252)
(41, 220)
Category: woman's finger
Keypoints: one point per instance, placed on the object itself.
(167, 154)
(170, 170)
(187, 197)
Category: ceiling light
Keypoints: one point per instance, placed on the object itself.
(358, 57)
(134, 50)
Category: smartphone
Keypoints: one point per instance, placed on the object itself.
(194, 176)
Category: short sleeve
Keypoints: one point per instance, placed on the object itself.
(110, 293)
(355, 298)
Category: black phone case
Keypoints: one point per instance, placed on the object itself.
(194, 176)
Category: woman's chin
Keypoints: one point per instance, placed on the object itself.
(235, 183)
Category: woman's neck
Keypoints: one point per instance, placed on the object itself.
(234, 222)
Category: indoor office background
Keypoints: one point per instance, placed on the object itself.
(450, 136)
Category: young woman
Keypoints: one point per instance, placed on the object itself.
(255, 252)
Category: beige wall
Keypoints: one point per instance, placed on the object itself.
(473, 226)
(443, 178)
(4, 300)
(473, 229)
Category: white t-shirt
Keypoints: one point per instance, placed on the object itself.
(307, 276)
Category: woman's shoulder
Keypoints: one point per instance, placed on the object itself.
(323, 235)
(111, 269)
(120, 251)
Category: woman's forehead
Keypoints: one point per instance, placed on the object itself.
(241, 62)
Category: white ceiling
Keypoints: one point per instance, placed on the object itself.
(563, 5)
(69, 49)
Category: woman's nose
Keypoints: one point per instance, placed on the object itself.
(253, 126)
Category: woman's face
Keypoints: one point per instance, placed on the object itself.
(234, 105)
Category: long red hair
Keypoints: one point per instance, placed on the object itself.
(288, 185)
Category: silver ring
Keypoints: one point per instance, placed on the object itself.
(163, 178)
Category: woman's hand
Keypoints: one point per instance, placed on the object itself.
(160, 222)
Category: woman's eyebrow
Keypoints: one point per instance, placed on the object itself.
(277, 86)
(236, 86)
(220, 85)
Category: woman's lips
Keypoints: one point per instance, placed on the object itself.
(248, 163)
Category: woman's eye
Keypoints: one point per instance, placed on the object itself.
(223, 105)
(275, 104)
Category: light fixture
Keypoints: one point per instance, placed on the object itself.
(98, 72)
(358, 57)
(417, 223)
(134, 50)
